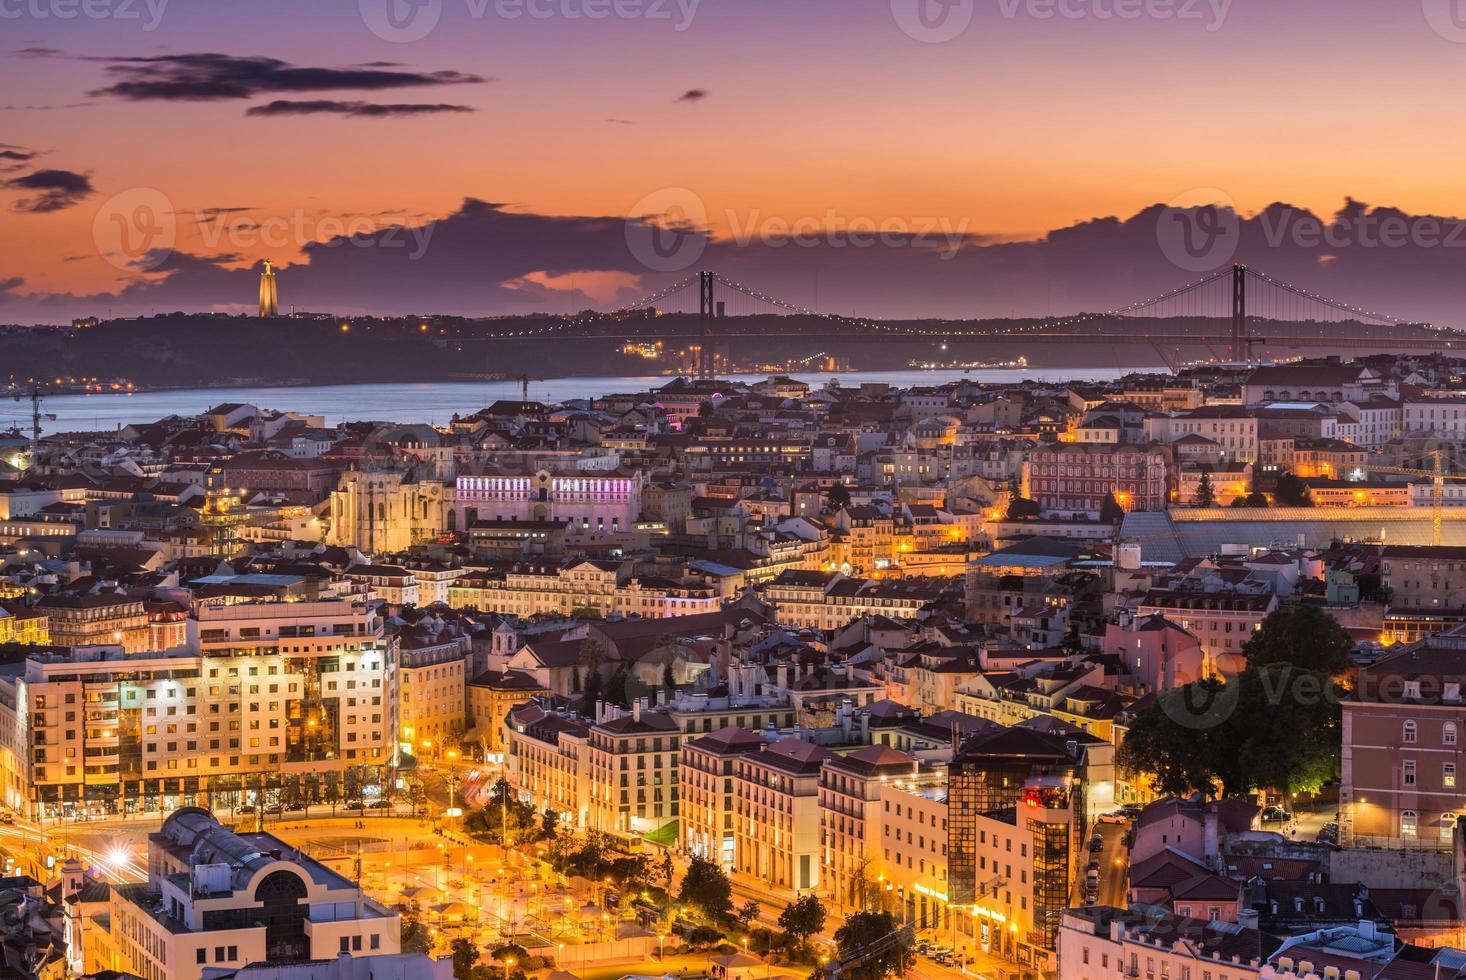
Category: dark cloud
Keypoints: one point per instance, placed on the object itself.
(38, 53)
(693, 95)
(210, 76)
(11, 285)
(55, 190)
(216, 212)
(487, 259)
(16, 155)
(13, 158)
(364, 110)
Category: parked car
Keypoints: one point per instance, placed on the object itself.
(1275, 814)
(380, 805)
(295, 807)
(354, 805)
(1096, 844)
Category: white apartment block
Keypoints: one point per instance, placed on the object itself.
(267, 701)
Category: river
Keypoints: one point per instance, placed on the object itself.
(436, 402)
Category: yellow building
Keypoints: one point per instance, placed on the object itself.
(21, 625)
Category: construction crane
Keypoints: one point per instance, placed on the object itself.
(37, 416)
(1438, 477)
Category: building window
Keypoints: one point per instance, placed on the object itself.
(1448, 826)
(1409, 777)
(1409, 820)
(1407, 735)
(1448, 733)
(1448, 775)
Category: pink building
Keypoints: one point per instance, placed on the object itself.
(1158, 655)
(1190, 827)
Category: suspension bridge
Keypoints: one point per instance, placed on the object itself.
(1237, 314)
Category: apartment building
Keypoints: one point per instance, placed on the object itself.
(633, 758)
(829, 600)
(705, 783)
(267, 701)
(1403, 763)
(1231, 429)
(1014, 816)
(583, 498)
(546, 761)
(1222, 622)
(432, 678)
(101, 618)
(216, 900)
(1443, 417)
(851, 858)
(776, 814)
(607, 587)
(1076, 478)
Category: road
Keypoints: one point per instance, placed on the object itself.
(1114, 863)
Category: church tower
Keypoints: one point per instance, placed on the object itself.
(269, 298)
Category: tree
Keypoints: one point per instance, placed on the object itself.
(801, 919)
(1306, 637)
(667, 871)
(838, 496)
(879, 931)
(669, 681)
(549, 823)
(706, 409)
(415, 935)
(747, 915)
(1254, 498)
(594, 689)
(1270, 727)
(706, 886)
(1293, 492)
(1206, 494)
(616, 689)
(1021, 508)
(1110, 511)
(465, 958)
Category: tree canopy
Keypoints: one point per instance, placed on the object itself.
(1276, 725)
(862, 932)
(707, 887)
(1020, 508)
(801, 919)
(1206, 493)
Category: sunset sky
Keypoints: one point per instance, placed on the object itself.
(762, 109)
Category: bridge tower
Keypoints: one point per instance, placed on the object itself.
(1241, 342)
(706, 310)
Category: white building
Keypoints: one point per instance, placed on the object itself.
(218, 899)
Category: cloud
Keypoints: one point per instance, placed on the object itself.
(486, 259)
(56, 190)
(38, 53)
(210, 76)
(363, 110)
(622, 122)
(11, 285)
(693, 95)
(13, 158)
(16, 155)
